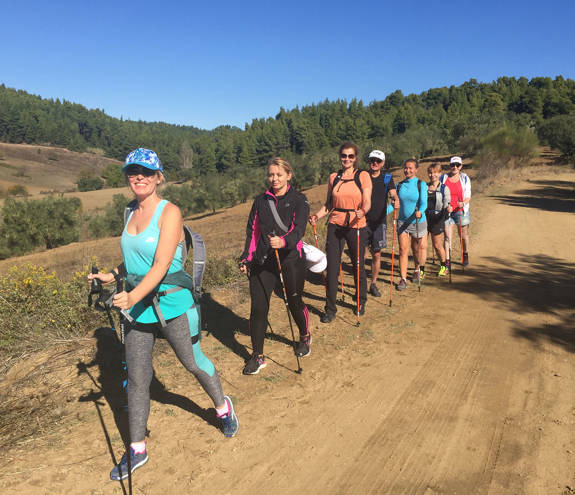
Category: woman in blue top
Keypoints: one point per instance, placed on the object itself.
(411, 222)
(152, 244)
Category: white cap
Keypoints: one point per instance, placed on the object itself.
(456, 159)
(377, 154)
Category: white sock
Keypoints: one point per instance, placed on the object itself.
(138, 447)
(222, 411)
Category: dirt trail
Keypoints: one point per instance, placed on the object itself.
(458, 389)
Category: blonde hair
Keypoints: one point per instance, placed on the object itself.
(278, 161)
(436, 167)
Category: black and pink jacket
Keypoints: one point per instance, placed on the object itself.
(293, 209)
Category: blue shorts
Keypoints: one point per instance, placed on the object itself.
(454, 216)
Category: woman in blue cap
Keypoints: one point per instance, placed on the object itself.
(152, 246)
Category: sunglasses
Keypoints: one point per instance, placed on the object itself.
(456, 165)
(375, 160)
(343, 156)
(133, 170)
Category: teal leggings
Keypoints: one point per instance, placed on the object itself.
(139, 341)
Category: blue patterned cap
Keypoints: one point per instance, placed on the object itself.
(145, 158)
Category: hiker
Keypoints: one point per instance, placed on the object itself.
(277, 221)
(382, 187)
(438, 198)
(348, 201)
(152, 244)
(411, 223)
(459, 187)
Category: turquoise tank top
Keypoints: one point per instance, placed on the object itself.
(138, 252)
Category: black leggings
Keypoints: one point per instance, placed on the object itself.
(263, 279)
(336, 237)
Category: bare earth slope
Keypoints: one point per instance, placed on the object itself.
(462, 388)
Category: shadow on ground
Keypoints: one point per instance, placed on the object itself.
(548, 195)
(106, 372)
(530, 284)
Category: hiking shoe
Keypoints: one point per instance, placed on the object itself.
(416, 275)
(422, 275)
(230, 423)
(302, 347)
(402, 284)
(254, 365)
(465, 259)
(361, 309)
(121, 471)
(374, 291)
(442, 271)
(327, 317)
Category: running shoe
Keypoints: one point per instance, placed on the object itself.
(442, 271)
(254, 365)
(125, 468)
(327, 317)
(416, 275)
(422, 275)
(465, 259)
(374, 291)
(230, 423)
(302, 348)
(402, 284)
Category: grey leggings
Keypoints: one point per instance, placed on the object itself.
(139, 340)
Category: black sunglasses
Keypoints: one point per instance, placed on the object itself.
(343, 156)
(456, 165)
(375, 160)
(132, 170)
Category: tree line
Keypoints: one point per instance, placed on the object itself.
(434, 121)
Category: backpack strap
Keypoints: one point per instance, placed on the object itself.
(281, 225)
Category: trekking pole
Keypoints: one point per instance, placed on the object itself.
(317, 246)
(299, 370)
(461, 239)
(392, 259)
(357, 273)
(450, 266)
(418, 250)
(120, 288)
(341, 278)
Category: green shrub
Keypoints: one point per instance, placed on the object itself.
(507, 147)
(17, 190)
(109, 222)
(559, 132)
(85, 183)
(27, 224)
(113, 175)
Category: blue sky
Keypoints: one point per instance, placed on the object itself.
(192, 63)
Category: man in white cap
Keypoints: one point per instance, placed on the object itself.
(383, 186)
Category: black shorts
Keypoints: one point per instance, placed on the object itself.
(435, 222)
(376, 236)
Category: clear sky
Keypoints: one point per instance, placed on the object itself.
(227, 62)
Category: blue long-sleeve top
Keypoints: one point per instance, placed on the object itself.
(410, 198)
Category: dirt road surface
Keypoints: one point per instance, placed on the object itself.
(459, 389)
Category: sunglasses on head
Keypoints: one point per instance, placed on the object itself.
(343, 156)
(133, 170)
(375, 160)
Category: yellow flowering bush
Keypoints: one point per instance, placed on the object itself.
(37, 307)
